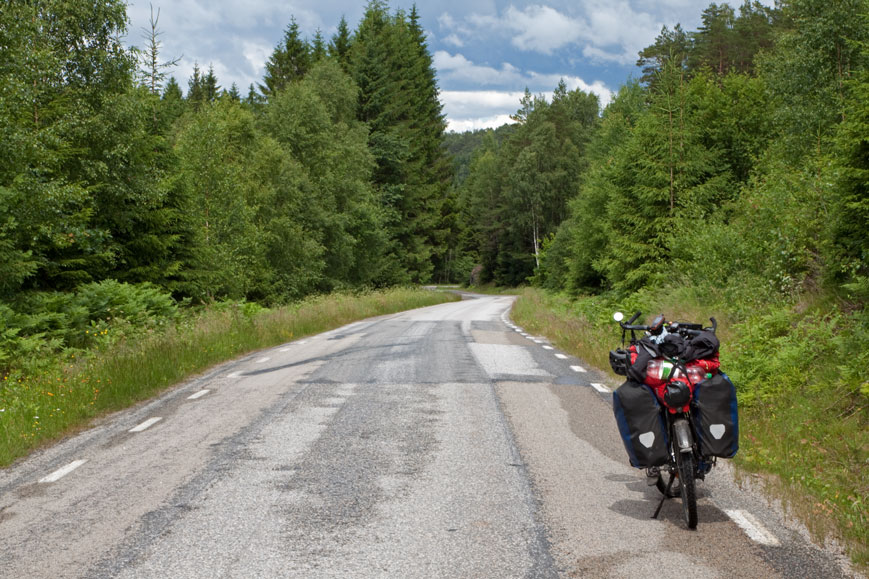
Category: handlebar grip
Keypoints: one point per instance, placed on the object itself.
(633, 319)
(714, 324)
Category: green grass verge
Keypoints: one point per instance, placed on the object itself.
(799, 370)
(79, 386)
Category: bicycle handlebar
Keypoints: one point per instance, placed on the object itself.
(696, 329)
(627, 325)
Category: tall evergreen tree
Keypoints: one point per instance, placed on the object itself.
(339, 46)
(714, 43)
(153, 71)
(210, 88)
(318, 47)
(173, 99)
(290, 61)
(196, 88)
(398, 99)
(671, 46)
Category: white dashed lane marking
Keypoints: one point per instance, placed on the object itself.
(147, 424)
(234, 375)
(548, 348)
(262, 360)
(600, 388)
(62, 472)
(199, 394)
(577, 369)
(561, 356)
(755, 531)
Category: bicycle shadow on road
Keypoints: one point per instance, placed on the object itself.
(643, 508)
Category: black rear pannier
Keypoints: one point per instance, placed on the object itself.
(716, 418)
(643, 431)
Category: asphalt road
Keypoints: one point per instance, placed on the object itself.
(442, 442)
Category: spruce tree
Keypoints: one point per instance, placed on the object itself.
(318, 47)
(290, 61)
(339, 46)
(153, 71)
(671, 46)
(398, 99)
(210, 88)
(196, 88)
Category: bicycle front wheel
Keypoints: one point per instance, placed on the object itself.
(685, 464)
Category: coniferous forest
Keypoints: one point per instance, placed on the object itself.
(733, 171)
(330, 174)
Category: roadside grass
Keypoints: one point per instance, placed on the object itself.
(80, 385)
(804, 407)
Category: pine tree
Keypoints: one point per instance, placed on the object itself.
(318, 47)
(671, 46)
(152, 72)
(233, 93)
(398, 100)
(196, 88)
(173, 99)
(714, 43)
(290, 61)
(339, 46)
(210, 88)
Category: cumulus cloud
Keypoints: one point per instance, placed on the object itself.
(541, 28)
(454, 40)
(457, 68)
(476, 109)
(608, 30)
(471, 110)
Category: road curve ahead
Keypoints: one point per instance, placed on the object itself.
(442, 442)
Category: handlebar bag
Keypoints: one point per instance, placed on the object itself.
(641, 425)
(716, 417)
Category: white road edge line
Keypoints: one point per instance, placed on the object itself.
(577, 369)
(199, 394)
(147, 424)
(755, 531)
(600, 388)
(561, 357)
(62, 472)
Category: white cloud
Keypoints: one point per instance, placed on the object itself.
(459, 69)
(446, 21)
(606, 30)
(604, 94)
(477, 124)
(541, 28)
(454, 40)
(256, 55)
(478, 109)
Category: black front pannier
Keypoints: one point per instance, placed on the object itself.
(643, 431)
(716, 418)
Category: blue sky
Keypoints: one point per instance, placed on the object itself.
(486, 52)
